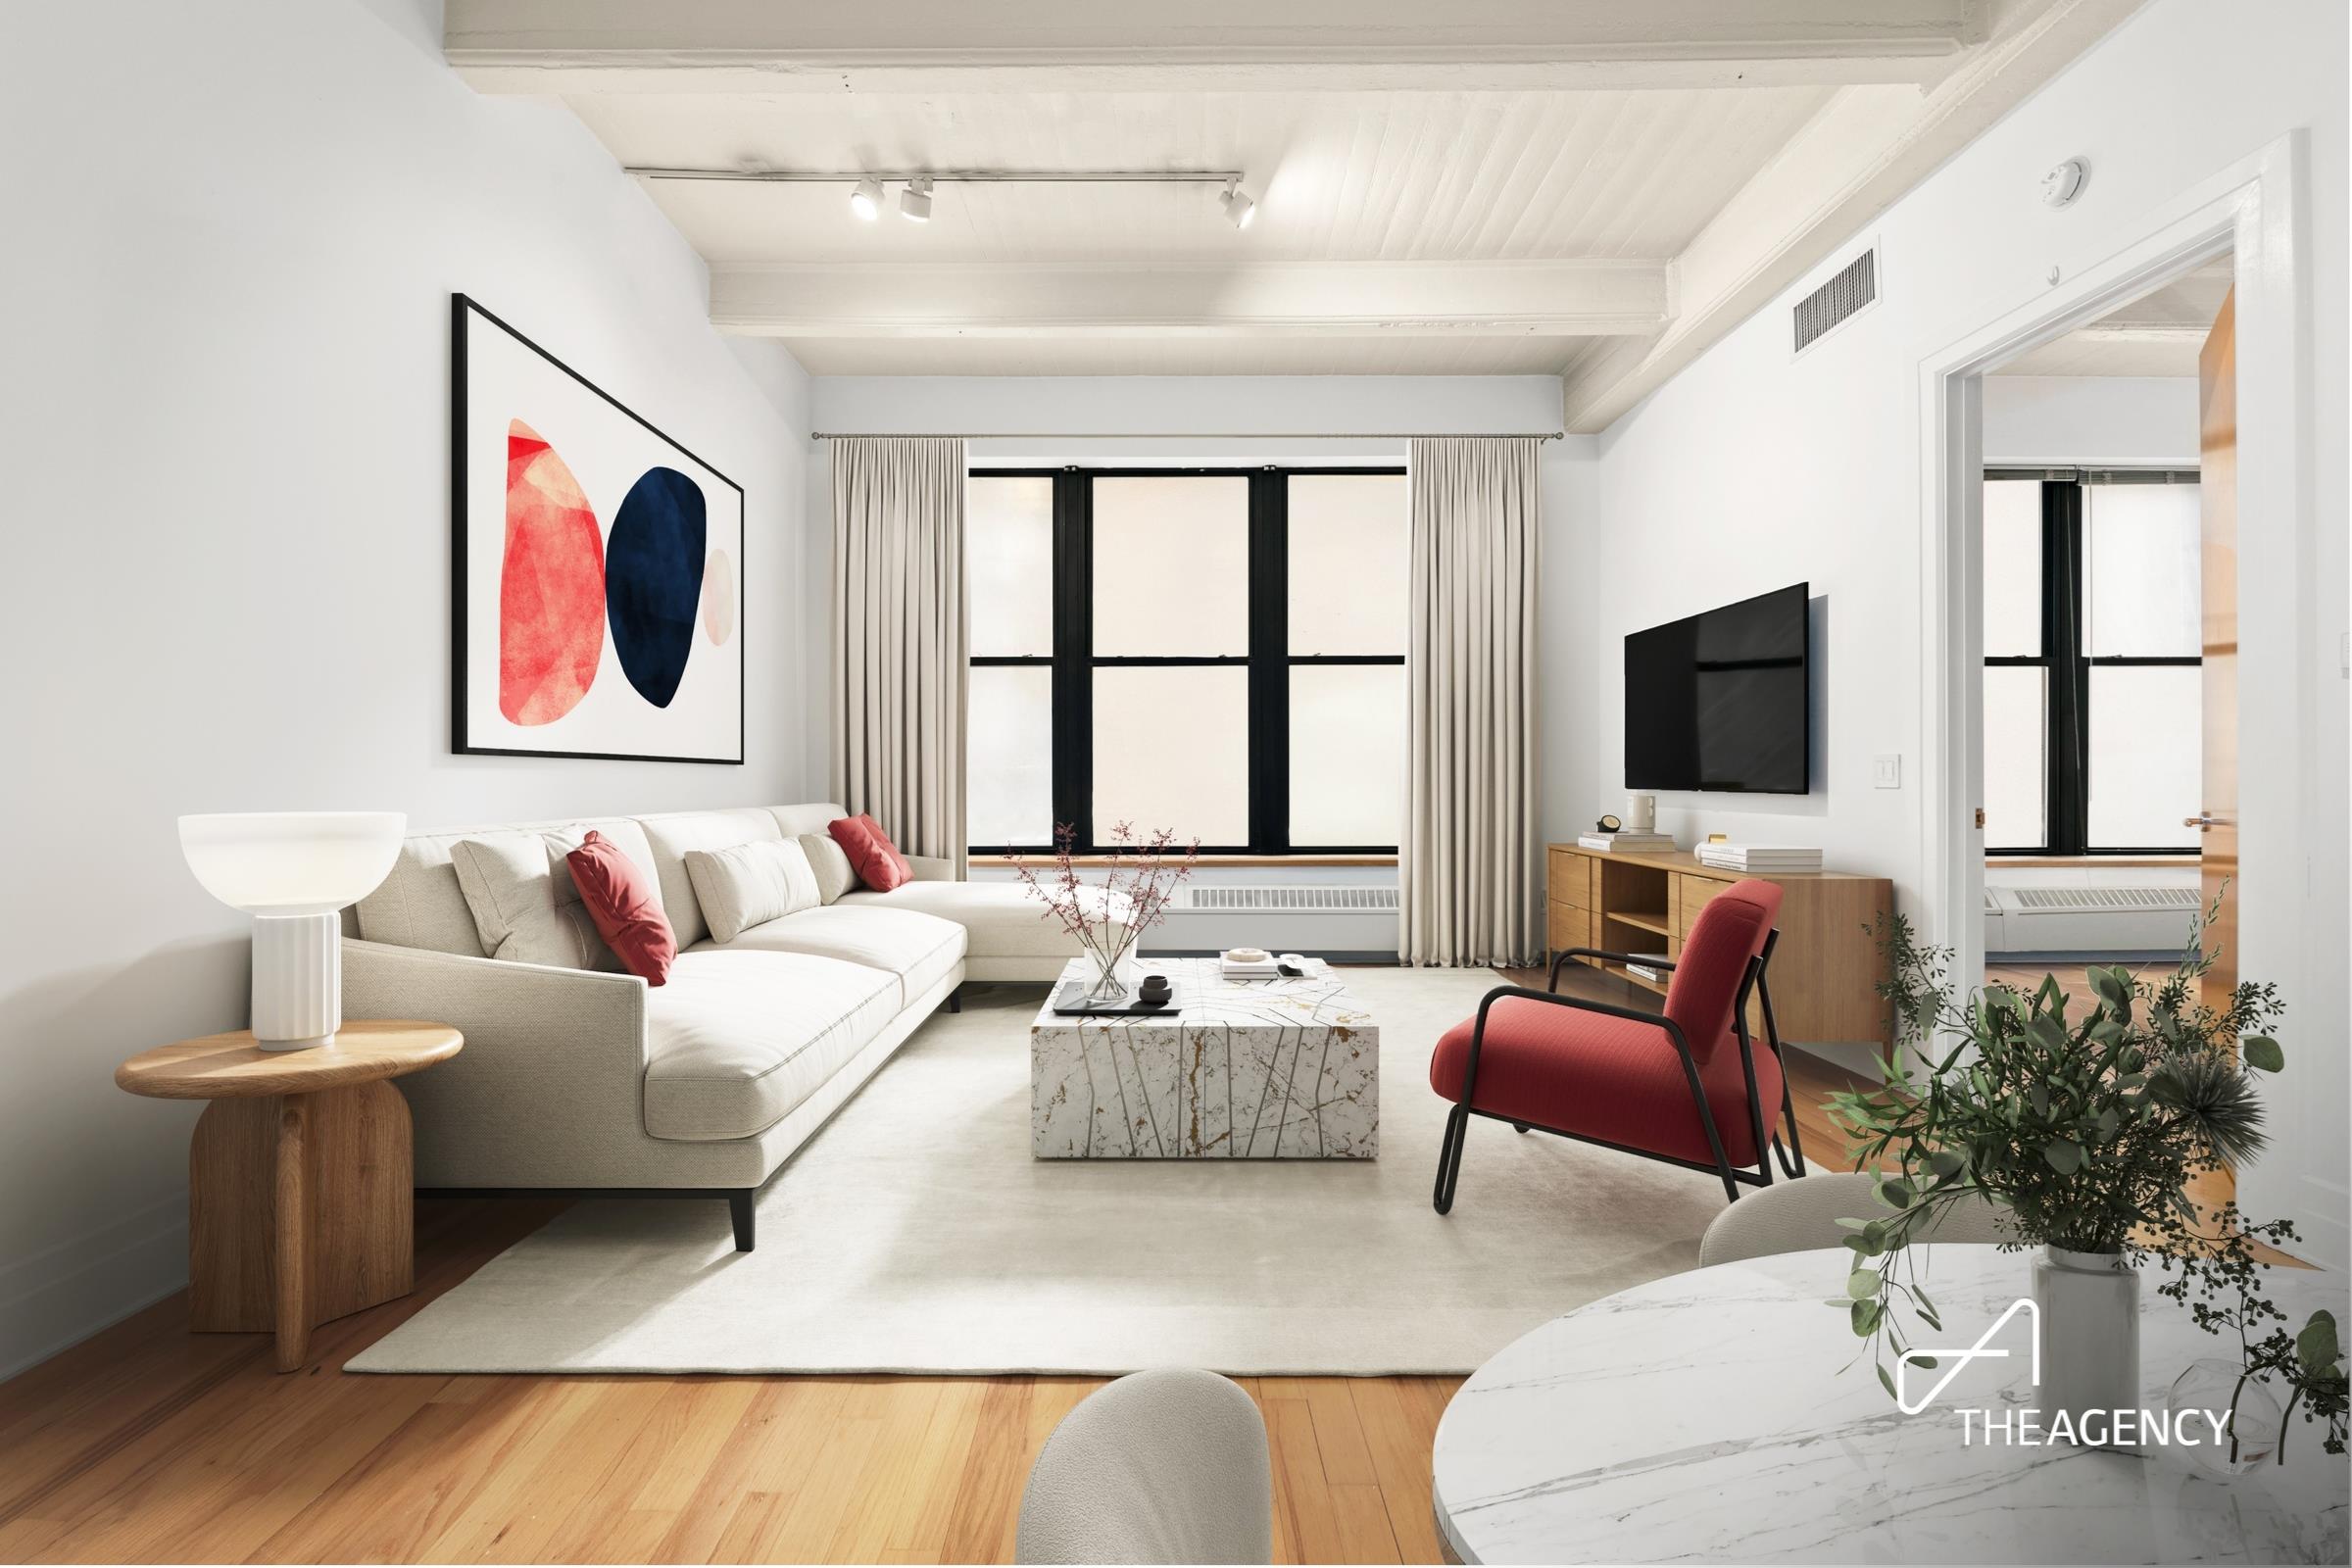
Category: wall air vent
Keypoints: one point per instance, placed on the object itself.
(1837, 300)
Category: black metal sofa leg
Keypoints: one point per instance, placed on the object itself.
(740, 1209)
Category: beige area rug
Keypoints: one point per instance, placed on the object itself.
(914, 1234)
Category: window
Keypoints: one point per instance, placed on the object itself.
(2092, 686)
(1219, 653)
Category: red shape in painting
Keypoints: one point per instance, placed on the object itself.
(551, 593)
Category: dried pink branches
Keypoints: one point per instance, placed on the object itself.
(1137, 887)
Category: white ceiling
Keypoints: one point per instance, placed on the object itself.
(1338, 176)
(1583, 187)
(2160, 333)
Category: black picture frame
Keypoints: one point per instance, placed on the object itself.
(465, 310)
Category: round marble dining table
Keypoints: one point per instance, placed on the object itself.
(1728, 1414)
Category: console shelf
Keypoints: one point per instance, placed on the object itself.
(1825, 971)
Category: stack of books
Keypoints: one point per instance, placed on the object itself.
(1248, 963)
(1757, 858)
(1627, 838)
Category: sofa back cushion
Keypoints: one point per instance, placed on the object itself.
(421, 904)
(672, 833)
(526, 906)
(751, 885)
(795, 820)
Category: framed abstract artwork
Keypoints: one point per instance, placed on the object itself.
(597, 567)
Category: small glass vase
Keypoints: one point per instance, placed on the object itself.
(1108, 988)
(2209, 1390)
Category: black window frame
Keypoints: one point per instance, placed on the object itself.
(2067, 666)
(1269, 661)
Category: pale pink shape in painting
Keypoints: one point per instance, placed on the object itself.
(718, 597)
(551, 589)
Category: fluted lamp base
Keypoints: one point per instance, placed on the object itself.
(297, 981)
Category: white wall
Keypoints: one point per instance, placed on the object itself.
(1752, 469)
(1143, 420)
(2123, 421)
(232, 235)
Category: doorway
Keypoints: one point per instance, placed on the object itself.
(2095, 676)
(2248, 215)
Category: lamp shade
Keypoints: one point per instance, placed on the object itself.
(291, 862)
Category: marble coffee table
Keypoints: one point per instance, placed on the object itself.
(1254, 1069)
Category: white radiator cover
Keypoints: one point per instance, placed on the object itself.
(1353, 918)
(2130, 917)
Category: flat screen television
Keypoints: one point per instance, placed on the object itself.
(1719, 701)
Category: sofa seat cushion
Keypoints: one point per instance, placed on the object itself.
(1000, 919)
(918, 949)
(736, 1040)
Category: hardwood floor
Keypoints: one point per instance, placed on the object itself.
(147, 1442)
(151, 1444)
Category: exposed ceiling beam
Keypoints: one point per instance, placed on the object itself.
(568, 47)
(1866, 149)
(1500, 299)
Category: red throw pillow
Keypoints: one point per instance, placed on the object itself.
(621, 903)
(876, 860)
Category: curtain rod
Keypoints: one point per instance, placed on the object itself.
(1246, 435)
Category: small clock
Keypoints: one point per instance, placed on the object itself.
(1607, 823)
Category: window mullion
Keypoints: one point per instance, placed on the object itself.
(2069, 675)
(1269, 666)
(1073, 646)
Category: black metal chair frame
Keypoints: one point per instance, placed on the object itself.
(1791, 1159)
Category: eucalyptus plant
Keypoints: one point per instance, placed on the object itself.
(2085, 1124)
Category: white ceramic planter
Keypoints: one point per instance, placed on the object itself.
(2089, 1307)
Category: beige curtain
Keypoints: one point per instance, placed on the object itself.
(901, 638)
(1469, 864)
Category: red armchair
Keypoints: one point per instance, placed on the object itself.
(1687, 1087)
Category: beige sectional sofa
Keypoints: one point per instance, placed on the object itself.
(588, 1078)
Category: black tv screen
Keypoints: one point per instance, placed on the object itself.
(1718, 702)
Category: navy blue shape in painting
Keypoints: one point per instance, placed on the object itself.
(654, 580)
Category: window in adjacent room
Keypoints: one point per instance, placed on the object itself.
(2092, 694)
(1215, 651)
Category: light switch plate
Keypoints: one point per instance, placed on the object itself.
(1887, 771)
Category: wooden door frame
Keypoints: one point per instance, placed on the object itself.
(2255, 209)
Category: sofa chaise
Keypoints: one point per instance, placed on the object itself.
(580, 1079)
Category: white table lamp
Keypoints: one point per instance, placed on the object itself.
(293, 872)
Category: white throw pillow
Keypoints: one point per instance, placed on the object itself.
(524, 902)
(831, 863)
(751, 884)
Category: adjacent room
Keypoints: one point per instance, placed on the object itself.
(1046, 783)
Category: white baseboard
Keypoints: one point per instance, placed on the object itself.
(61, 1296)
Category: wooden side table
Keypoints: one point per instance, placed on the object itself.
(300, 1175)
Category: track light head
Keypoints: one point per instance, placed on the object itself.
(1239, 209)
(867, 200)
(915, 202)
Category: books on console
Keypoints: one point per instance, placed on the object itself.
(1758, 857)
(1623, 840)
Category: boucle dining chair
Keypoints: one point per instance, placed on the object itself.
(1168, 1466)
(1800, 1216)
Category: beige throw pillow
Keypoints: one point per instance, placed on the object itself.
(523, 902)
(751, 884)
(831, 863)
